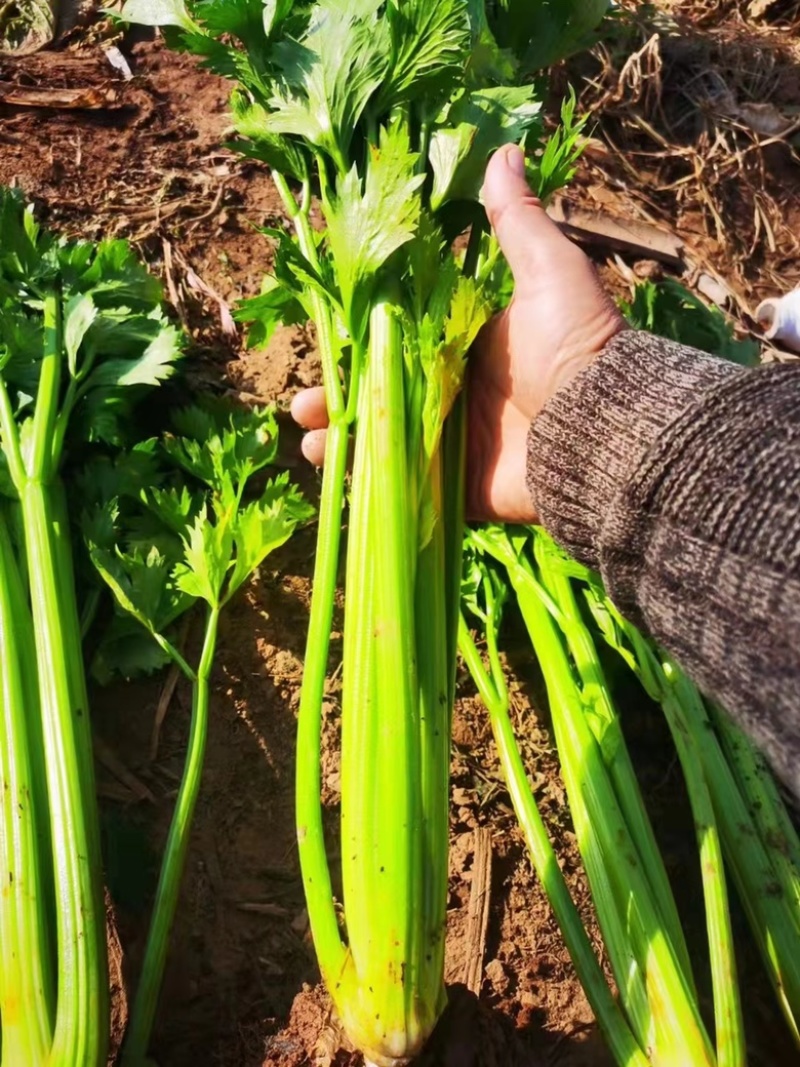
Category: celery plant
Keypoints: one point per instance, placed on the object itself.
(630, 891)
(175, 528)
(81, 334)
(484, 592)
(757, 838)
(387, 110)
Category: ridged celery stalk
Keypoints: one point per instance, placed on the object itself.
(772, 912)
(26, 980)
(763, 799)
(491, 685)
(767, 895)
(81, 1021)
(656, 994)
(604, 721)
(137, 1036)
(387, 981)
(80, 324)
(730, 1043)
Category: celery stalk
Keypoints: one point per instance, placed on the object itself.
(729, 1026)
(395, 745)
(605, 724)
(81, 1021)
(26, 979)
(169, 882)
(60, 302)
(671, 1026)
(772, 915)
(771, 910)
(491, 685)
(653, 988)
(762, 797)
(730, 1040)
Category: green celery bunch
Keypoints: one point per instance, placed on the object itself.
(758, 840)
(177, 524)
(740, 819)
(632, 896)
(484, 593)
(384, 113)
(82, 336)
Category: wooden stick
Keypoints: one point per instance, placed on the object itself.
(478, 911)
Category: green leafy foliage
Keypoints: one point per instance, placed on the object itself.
(428, 43)
(366, 227)
(389, 110)
(168, 524)
(555, 167)
(223, 446)
(445, 336)
(328, 76)
(115, 338)
(669, 309)
(142, 585)
(474, 126)
(260, 141)
(541, 32)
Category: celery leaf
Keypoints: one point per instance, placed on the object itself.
(473, 127)
(430, 47)
(79, 314)
(265, 525)
(208, 547)
(158, 13)
(331, 74)
(443, 354)
(367, 224)
(142, 584)
(541, 32)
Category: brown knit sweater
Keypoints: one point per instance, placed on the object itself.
(677, 476)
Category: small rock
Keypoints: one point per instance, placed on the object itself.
(495, 973)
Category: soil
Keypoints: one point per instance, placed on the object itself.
(241, 987)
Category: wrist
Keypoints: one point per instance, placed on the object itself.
(581, 351)
(586, 443)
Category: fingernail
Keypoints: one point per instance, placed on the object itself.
(515, 160)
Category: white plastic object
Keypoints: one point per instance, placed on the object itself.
(780, 318)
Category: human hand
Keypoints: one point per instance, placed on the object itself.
(558, 321)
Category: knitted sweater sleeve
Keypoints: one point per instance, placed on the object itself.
(677, 476)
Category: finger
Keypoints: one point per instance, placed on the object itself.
(313, 446)
(530, 240)
(309, 409)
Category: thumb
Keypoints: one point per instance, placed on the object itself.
(528, 238)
